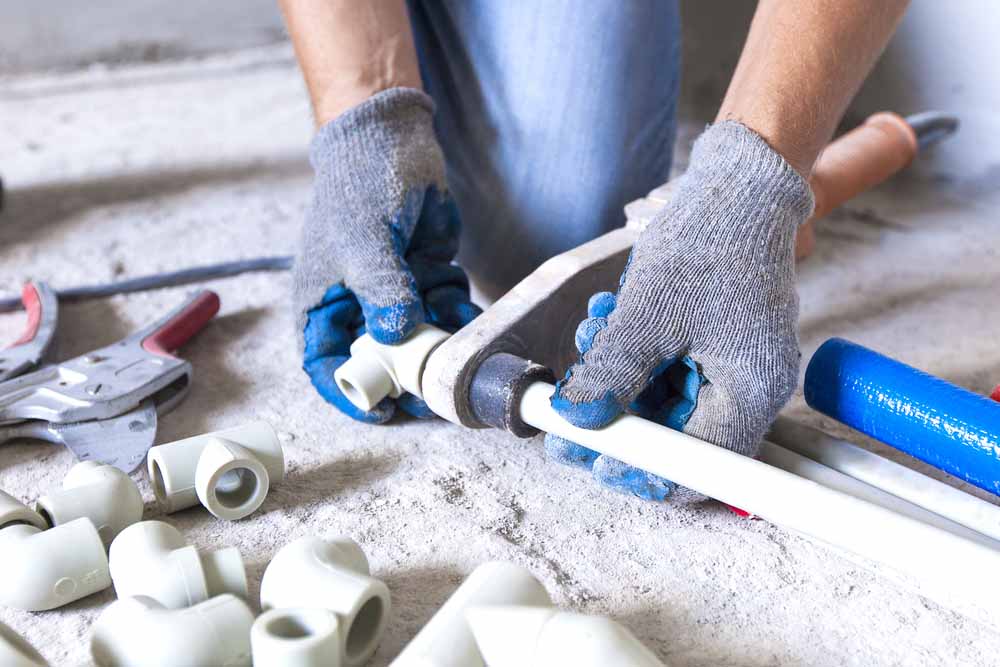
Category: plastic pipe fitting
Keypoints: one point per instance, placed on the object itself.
(16, 651)
(542, 637)
(447, 641)
(44, 569)
(151, 558)
(375, 371)
(140, 632)
(102, 493)
(946, 426)
(229, 472)
(300, 637)
(330, 574)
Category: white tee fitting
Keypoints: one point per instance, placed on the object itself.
(446, 640)
(102, 493)
(229, 472)
(542, 637)
(375, 371)
(298, 637)
(140, 632)
(151, 558)
(16, 651)
(45, 569)
(330, 574)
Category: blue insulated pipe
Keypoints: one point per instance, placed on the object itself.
(946, 426)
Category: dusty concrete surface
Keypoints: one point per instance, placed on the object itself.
(150, 168)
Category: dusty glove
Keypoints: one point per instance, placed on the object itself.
(378, 241)
(702, 335)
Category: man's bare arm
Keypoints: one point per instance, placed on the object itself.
(801, 66)
(349, 50)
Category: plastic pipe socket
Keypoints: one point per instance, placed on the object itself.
(44, 569)
(229, 472)
(104, 494)
(542, 637)
(375, 371)
(334, 575)
(447, 641)
(140, 632)
(151, 558)
(303, 637)
(16, 652)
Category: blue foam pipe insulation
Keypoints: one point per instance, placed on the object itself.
(946, 426)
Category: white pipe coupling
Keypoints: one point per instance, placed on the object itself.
(375, 371)
(140, 632)
(334, 575)
(102, 493)
(541, 637)
(15, 651)
(151, 558)
(229, 472)
(297, 637)
(446, 640)
(44, 569)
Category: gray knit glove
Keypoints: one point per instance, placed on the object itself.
(702, 335)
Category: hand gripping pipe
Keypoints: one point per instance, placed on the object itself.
(950, 573)
(447, 641)
(544, 637)
(140, 632)
(935, 421)
(44, 569)
(229, 472)
(334, 575)
(16, 652)
(102, 493)
(151, 558)
(297, 637)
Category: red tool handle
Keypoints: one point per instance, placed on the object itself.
(181, 327)
(33, 305)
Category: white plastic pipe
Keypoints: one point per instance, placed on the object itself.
(15, 651)
(446, 640)
(546, 637)
(151, 559)
(375, 371)
(297, 637)
(902, 482)
(140, 632)
(797, 464)
(330, 574)
(102, 493)
(953, 567)
(229, 472)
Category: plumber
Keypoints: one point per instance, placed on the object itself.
(534, 123)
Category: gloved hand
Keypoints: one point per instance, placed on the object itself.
(702, 335)
(378, 241)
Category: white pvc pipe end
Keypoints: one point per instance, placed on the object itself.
(13, 511)
(297, 637)
(364, 381)
(102, 493)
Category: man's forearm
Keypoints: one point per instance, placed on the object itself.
(801, 66)
(350, 50)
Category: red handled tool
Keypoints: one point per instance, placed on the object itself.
(30, 348)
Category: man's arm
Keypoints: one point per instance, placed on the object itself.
(800, 67)
(350, 50)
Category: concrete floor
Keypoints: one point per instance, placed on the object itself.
(125, 172)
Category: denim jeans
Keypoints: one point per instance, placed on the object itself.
(552, 114)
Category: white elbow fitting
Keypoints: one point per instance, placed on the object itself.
(45, 569)
(229, 472)
(102, 493)
(151, 558)
(446, 640)
(334, 575)
(140, 632)
(15, 651)
(375, 371)
(541, 637)
(299, 637)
